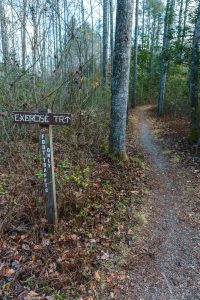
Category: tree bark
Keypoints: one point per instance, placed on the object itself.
(133, 98)
(180, 20)
(143, 14)
(152, 45)
(24, 35)
(111, 34)
(194, 78)
(184, 21)
(34, 50)
(120, 77)
(92, 23)
(105, 44)
(165, 54)
(4, 38)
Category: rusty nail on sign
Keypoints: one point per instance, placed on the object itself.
(45, 119)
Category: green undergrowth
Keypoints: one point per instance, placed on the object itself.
(100, 206)
(193, 135)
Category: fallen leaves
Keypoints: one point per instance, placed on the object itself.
(130, 232)
(105, 256)
(7, 272)
(93, 218)
(97, 185)
(38, 247)
(33, 294)
(26, 247)
(97, 276)
(23, 237)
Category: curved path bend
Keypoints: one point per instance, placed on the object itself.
(165, 265)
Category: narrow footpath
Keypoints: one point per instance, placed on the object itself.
(165, 264)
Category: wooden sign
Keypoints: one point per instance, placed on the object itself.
(45, 119)
(41, 118)
(46, 146)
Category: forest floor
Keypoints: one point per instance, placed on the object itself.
(127, 230)
(100, 208)
(165, 263)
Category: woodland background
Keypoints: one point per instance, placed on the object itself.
(59, 54)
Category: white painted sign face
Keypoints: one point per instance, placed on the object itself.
(46, 159)
(31, 118)
(41, 118)
(61, 119)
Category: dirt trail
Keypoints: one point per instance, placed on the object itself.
(165, 263)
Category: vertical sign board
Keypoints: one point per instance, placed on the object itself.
(46, 119)
(48, 172)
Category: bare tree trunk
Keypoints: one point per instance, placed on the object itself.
(43, 52)
(105, 44)
(36, 15)
(148, 29)
(100, 39)
(65, 36)
(24, 35)
(133, 98)
(12, 34)
(180, 20)
(143, 14)
(111, 34)
(158, 32)
(194, 79)
(142, 40)
(4, 38)
(84, 32)
(152, 45)
(151, 58)
(55, 58)
(92, 20)
(120, 77)
(164, 61)
(59, 37)
(184, 21)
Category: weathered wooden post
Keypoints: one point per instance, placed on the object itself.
(46, 146)
(46, 119)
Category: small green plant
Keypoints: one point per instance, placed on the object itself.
(2, 189)
(87, 170)
(167, 151)
(64, 164)
(140, 218)
(14, 202)
(137, 161)
(89, 248)
(27, 282)
(106, 185)
(121, 207)
(36, 157)
(82, 213)
(81, 178)
(158, 131)
(176, 158)
(39, 175)
(60, 295)
(193, 135)
(88, 234)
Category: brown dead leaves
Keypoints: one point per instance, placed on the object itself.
(94, 214)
